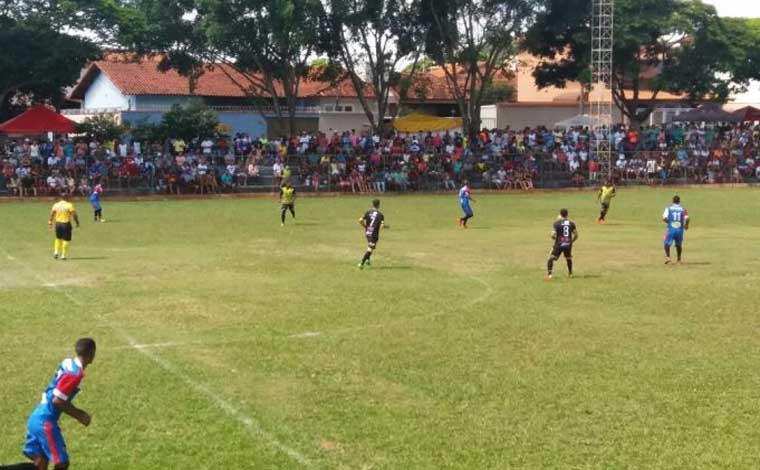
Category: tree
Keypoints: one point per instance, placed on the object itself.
(497, 93)
(472, 42)
(371, 38)
(38, 59)
(193, 121)
(676, 46)
(263, 46)
(102, 128)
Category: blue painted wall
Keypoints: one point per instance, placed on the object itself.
(250, 122)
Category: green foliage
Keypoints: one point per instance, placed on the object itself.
(472, 42)
(695, 52)
(102, 128)
(189, 122)
(371, 38)
(268, 42)
(38, 60)
(498, 92)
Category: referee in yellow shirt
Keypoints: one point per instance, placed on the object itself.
(62, 213)
(606, 193)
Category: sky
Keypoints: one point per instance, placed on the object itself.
(741, 8)
(745, 8)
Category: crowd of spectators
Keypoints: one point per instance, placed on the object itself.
(365, 162)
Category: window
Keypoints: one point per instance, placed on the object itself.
(329, 108)
(338, 107)
(348, 109)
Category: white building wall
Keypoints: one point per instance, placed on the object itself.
(103, 94)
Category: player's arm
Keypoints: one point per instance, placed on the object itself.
(575, 234)
(51, 218)
(61, 396)
(665, 216)
(363, 222)
(686, 220)
(76, 217)
(71, 410)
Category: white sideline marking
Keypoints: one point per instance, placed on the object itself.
(251, 424)
(306, 334)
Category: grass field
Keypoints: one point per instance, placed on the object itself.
(228, 342)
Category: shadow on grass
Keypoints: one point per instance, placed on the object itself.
(400, 267)
(89, 258)
(586, 276)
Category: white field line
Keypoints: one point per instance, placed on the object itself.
(251, 424)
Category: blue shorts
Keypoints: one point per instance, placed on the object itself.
(467, 210)
(674, 236)
(44, 438)
(95, 204)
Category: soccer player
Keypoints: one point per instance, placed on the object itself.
(677, 220)
(288, 201)
(372, 221)
(564, 234)
(464, 201)
(62, 213)
(44, 441)
(95, 202)
(606, 193)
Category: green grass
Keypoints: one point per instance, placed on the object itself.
(270, 349)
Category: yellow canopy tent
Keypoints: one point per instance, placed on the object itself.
(424, 123)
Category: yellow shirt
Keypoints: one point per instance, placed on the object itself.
(606, 194)
(63, 211)
(287, 195)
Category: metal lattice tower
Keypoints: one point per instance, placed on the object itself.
(600, 98)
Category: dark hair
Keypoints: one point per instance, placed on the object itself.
(676, 200)
(376, 203)
(85, 347)
(563, 212)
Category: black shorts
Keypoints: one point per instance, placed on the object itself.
(63, 232)
(372, 241)
(605, 206)
(290, 206)
(558, 250)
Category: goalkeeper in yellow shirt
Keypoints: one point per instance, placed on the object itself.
(62, 214)
(606, 193)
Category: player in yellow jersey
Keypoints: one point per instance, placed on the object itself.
(606, 193)
(288, 200)
(62, 214)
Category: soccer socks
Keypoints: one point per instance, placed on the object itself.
(465, 219)
(58, 243)
(292, 212)
(367, 256)
(21, 466)
(667, 251)
(678, 252)
(550, 266)
(98, 214)
(65, 251)
(282, 215)
(569, 266)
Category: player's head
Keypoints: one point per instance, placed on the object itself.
(466, 182)
(563, 213)
(64, 195)
(676, 200)
(85, 349)
(376, 203)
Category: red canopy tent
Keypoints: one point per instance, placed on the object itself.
(38, 120)
(748, 113)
